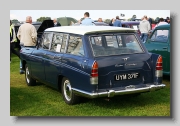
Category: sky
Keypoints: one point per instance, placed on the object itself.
(94, 14)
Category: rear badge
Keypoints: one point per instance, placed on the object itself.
(132, 64)
(118, 65)
(125, 59)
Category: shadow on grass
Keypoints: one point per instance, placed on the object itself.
(126, 101)
(166, 77)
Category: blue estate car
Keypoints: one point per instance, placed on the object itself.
(92, 62)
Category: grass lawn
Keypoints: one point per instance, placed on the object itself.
(42, 100)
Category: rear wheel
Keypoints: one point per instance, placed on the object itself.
(29, 81)
(67, 93)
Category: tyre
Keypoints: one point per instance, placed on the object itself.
(67, 93)
(29, 81)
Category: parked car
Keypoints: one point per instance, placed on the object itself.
(126, 24)
(92, 62)
(96, 24)
(159, 42)
(132, 24)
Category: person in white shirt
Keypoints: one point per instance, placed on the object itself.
(144, 27)
(27, 35)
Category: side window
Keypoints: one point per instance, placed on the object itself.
(47, 38)
(75, 46)
(57, 42)
(63, 45)
(160, 35)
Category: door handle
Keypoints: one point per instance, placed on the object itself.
(164, 47)
(57, 57)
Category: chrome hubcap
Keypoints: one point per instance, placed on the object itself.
(67, 90)
(27, 75)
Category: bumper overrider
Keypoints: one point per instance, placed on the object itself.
(131, 89)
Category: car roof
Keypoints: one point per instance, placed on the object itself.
(101, 23)
(96, 23)
(163, 26)
(82, 30)
(130, 22)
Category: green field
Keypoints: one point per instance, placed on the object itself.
(42, 100)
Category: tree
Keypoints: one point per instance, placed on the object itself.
(41, 19)
(107, 21)
(133, 18)
(157, 20)
(15, 21)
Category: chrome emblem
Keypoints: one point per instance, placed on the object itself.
(118, 65)
(125, 59)
(133, 64)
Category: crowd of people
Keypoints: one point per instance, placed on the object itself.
(27, 33)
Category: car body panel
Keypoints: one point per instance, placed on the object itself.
(161, 45)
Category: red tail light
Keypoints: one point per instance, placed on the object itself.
(159, 63)
(94, 71)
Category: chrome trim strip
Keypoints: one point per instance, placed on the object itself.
(112, 93)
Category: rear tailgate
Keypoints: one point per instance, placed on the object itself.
(124, 70)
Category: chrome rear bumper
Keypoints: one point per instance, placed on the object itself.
(111, 93)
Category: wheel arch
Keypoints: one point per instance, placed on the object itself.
(60, 77)
(24, 64)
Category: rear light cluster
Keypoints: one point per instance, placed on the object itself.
(94, 73)
(159, 67)
(159, 63)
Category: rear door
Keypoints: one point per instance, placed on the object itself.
(75, 61)
(53, 58)
(159, 43)
(121, 61)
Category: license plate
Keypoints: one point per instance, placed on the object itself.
(126, 76)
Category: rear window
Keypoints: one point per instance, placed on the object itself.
(106, 45)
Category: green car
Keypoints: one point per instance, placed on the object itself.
(159, 42)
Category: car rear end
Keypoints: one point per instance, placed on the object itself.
(121, 65)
